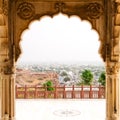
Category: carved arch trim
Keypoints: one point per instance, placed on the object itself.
(27, 11)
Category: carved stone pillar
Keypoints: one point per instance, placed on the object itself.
(113, 91)
(2, 85)
(7, 95)
(8, 89)
(1, 97)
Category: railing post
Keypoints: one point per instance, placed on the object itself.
(16, 95)
(90, 93)
(82, 92)
(35, 95)
(99, 92)
(25, 95)
(73, 96)
(64, 93)
(104, 91)
(55, 93)
(45, 92)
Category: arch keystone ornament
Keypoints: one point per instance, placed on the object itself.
(15, 17)
(59, 6)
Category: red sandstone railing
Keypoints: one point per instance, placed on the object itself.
(72, 92)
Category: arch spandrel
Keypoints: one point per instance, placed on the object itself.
(28, 11)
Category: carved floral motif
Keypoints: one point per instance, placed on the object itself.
(94, 10)
(88, 10)
(115, 7)
(26, 10)
(113, 69)
(8, 70)
(8, 67)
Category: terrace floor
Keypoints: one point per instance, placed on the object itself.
(60, 109)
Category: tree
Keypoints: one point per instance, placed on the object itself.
(66, 79)
(87, 77)
(102, 78)
(49, 85)
(63, 73)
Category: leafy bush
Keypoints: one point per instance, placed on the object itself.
(66, 79)
(102, 79)
(64, 73)
(49, 85)
(87, 77)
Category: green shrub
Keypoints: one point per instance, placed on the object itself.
(49, 85)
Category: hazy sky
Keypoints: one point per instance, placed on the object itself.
(59, 39)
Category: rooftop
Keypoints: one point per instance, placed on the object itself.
(60, 109)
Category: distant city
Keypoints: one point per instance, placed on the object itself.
(39, 73)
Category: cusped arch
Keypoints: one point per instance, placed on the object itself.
(41, 18)
(104, 17)
(92, 28)
(29, 11)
